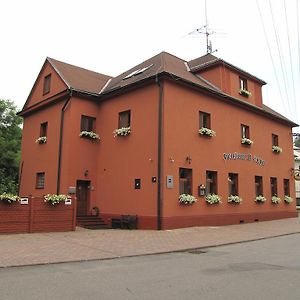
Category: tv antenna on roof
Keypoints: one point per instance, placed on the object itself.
(207, 31)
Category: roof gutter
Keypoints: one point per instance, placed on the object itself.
(159, 151)
(61, 129)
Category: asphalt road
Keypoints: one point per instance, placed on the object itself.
(264, 269)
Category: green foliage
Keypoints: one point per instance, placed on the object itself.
(297, 142)
(10, 146)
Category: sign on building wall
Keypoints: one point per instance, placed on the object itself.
(245, 157)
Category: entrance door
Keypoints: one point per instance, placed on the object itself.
(82, 194)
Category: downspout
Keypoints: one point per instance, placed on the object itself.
(62, 116)
(159, 153)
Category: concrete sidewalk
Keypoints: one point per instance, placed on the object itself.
(44, 248)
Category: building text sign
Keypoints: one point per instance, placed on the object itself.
(244, 156)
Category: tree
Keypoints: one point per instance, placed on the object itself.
(297, 142)
(10, 146)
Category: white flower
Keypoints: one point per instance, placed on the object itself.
(89, 134)
(122, 131)
(41, 140)
(246, 141)
(245, 93)
(187, 199)
(234, 199)
(9, 198)
(54, 199)
(260, 198)
(206, 131)
(288, 199)
(213, 199)
(277, 149)
(275, 200)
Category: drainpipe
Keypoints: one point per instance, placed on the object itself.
(159, 153)
(62, 115)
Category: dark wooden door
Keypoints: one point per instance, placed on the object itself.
(82, 194)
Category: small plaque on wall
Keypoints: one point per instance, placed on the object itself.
(24, 201)
(68, 201)
(72, 190)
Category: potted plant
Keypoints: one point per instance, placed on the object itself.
(206, 132)
(260, 199)
(246, 141)
(55, 199)
(124, 131)
(187, 199)
(235, 199)
(41, 140)
(275, 199)
(276, 149)
(288, 199)
(9, 198)
(90, 135)
(245, 93)
(213, 199)
(95, 211)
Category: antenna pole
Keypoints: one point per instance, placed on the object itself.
(208, 48)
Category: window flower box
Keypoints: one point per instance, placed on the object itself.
(276, 149)
(187, 199)
(206, 132)
(235, 199)
(260, 199)
(245, 93)
(41, 140)
(246, 141)
(90, 135)
(275, 200)
(288, 199)
(124, 131)
(9, 198)
(213, 199)
(55, 199)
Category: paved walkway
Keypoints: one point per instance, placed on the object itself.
(43, 248)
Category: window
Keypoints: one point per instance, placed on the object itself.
(47, 83)
(275, 140)
(245, 132)
(233, 184)
(43, 129)
(87, 123)
(243, 84)
(124, 119)
(40, 180)
(185, 181)
(273, 183)
(258, 186)
(204, 120)
(286, 187)
(211, 182)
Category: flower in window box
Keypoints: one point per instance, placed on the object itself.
(246, 141)
(9, 198)
(124, 131)
(245, 93)
(41, 140)
(207, 132)
(260, 199)
(276, 149)
(235, 199)
(213, 199)
(54, 199)
(275, 200)
(288, 199)
(90, 135)
(187, 199)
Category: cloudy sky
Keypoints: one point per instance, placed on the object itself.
(259, 36)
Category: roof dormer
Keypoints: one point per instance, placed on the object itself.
(228, 78)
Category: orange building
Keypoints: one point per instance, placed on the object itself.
(164, 130)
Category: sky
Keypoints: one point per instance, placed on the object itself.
(109, 37)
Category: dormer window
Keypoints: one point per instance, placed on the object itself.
(244, 87)
(47, 83)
